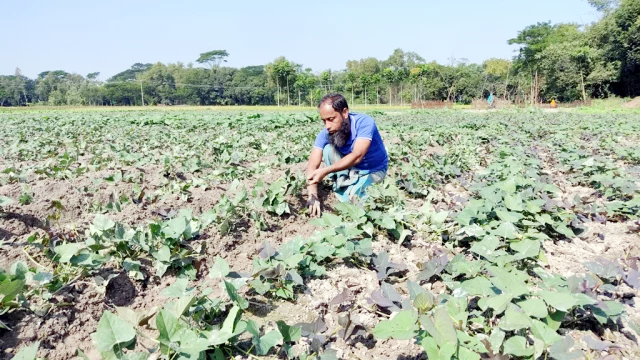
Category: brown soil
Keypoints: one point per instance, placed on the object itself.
(68, 325)
(633, 104)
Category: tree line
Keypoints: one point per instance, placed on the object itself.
(564, 61)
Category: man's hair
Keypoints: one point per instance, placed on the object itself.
(337, 101)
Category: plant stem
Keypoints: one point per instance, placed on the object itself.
(34, 261)
(67, 284)
(246, 353)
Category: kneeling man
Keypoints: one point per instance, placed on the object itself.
(352, 150)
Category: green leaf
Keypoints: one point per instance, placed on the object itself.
(444, 324)
(564, 230)
(559, 301)
(507, 230)
(499, 303)
(387, 222)
(473, 230)
(323, 250)
(10, 289)
(486, 247)
(534, 307)
(168, 327)
(28, 352)
(496, 339)
(508, 283)
(220, 268)
(561, 350)
(4, 201)
(112, 333)
(174, 228)
(441, 328)
(554, 319)
(403, 326)
(466, 354)
(478, 286)
(82, 355)
(135, 356)
(265, 343)
(260, 287)
(192, 344)
(514, 320)
(541, 331)
(607, 310)
(102, 223)
(526, 248)
(517, 346)
(67, 251)
(513, 202)
(434, 352)
(233, 294)
(178, 289)
(511, 217)
(289, 333)
(180, 306)
(533, 207)
(232, 320)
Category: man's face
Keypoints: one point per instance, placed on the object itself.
(332, 119)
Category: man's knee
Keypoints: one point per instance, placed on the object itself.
(328, 149)
(328, 154)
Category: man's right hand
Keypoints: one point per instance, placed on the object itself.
(314, 206)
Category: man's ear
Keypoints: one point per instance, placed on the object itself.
(345, 113)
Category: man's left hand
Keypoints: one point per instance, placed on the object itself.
(316, 176)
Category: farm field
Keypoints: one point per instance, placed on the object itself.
(183, 234)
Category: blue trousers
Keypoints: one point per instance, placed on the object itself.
(349, 183)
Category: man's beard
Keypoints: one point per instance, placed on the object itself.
(340, 137)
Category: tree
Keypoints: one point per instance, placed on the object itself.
(160, 84)
(401, 75)
(367, 66)
(19, 94)
(326, 78)
(131, 73)
(376, 80)
(279, 72)
(389, 76)
(213, 58)
(365, 81)
(496, 75)
(351, 78)
(604, 6)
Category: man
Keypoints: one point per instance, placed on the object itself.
(352, 151)
(491, 101)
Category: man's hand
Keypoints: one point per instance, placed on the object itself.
(314, 205)
(316, 176)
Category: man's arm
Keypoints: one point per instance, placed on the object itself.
(315, 158)
(360, 149)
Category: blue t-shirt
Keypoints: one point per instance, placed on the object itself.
(362, 127)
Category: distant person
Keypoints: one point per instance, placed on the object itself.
(490, 100)
(352, 151)
(553, 104)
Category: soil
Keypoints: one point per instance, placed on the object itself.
(633, 104)
(68, 324)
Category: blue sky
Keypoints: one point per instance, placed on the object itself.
(109, 36)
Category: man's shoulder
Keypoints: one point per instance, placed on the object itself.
(361, 118)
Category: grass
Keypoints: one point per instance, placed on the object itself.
(599, 106)
(259, 108)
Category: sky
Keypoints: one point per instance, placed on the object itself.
(109, 36)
